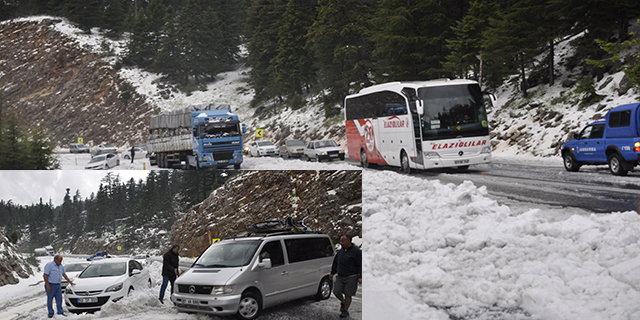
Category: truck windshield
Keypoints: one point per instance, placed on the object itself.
(228, 254)
(222, 129)
(453, 111)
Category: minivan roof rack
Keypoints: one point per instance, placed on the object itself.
(280, 226)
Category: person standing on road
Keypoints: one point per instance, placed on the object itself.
(133, 153)
(170, 264)
(53, 273)
(348, 265)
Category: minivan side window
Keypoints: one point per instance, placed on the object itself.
(308, 249)
(273, 251)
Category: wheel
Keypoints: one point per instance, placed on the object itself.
(404, 163)
(236, 166)
(570, 162)
(150, 285)
(250, 307)
(615, 165)
(306, 157)
(118, 162)
(126, 156)
(285, 155)
(129, 292)
(317, 158)
(324, 289)
(363, 159)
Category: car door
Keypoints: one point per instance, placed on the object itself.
(135, 279)
(274, 281)
(590, 144)
(309, 150)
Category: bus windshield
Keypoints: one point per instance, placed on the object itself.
(220, 129)
(453, 111)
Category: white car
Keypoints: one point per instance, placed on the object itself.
(73, 270)
(263, 148)
(319, 150)
(104, 149)
(139, 153)
(104, 280)
(103, 161)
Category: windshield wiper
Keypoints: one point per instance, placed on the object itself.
(216, 266)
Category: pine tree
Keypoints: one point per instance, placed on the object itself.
(114, 17)
(40, 151)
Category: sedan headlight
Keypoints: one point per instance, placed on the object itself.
(68, 290)
(323, 154)
(341, 151)
(223, 289)
(114, 288)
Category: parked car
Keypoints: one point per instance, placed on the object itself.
(99, 254)
(263, 148)
(103, 161)
(291, 148)
(242, 276)
(319, 150)
(104, 280)
(78, 148)
(139, 153)
(73, 270)
(142, 258)
(103, 149)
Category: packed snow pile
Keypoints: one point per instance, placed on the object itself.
(439, 251)
(12, 265)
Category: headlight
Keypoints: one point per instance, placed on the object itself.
(486, 150)
(223, 289)
(68, 290)
(114, 288)
(341, 151)
(429, 154)
(206, 158)
(323, 154)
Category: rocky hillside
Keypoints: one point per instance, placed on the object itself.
(334, 199)
(12, 265)
(49, 78)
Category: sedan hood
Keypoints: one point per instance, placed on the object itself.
(202, 276)
(98, 283)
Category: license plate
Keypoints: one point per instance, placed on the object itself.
(189, 301)
(88, 300)
(334, 155)
(461, 161)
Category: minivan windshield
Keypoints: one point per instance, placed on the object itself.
(228, 254)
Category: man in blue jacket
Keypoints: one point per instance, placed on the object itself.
(348, 265)
(53, 273)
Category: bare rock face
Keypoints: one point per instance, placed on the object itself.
(334, 200)
(48, 78)
(12, 265)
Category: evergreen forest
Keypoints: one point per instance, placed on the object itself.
(332, 48)
(158, 200)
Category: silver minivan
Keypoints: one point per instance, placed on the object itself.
(242, 276)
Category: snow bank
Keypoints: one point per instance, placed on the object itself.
(440, 250)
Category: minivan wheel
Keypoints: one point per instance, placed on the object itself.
(250, 307)
(324, 289)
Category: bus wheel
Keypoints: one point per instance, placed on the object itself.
(363, 159)
(404, 163)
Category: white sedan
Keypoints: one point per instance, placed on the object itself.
(103, 161)
(263, 148)
(104, 280)
(319, 150)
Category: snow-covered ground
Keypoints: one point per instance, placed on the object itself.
(435, 251)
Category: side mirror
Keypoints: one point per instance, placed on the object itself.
(195, 131)
(419, 107)
(575, 136)
(244, 128)
(135, 272)
(265, 263)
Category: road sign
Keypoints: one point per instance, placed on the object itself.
(259, 133)
(80, 140)
(215, 240)
(119, 248)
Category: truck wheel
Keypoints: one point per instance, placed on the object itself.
(236, 166)
(615, 165)
(570, 162)
(249, 306)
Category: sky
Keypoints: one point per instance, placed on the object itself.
(27, 187)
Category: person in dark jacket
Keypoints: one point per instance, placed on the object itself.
(133, 153)
(348, 265)
(170, 270)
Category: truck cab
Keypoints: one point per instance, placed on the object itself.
(615, 141)
(217, 139)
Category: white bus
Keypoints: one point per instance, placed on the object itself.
(418, 125)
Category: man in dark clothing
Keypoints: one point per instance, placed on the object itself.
(170, 270)
(348, 265)
(133, 153)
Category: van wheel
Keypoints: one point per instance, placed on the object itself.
(150, 285)
(404, 163)
(324, 289)
(615, 165)
(250, 307)
(129, 292)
